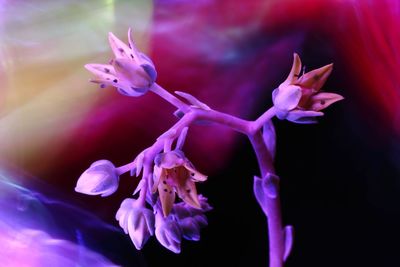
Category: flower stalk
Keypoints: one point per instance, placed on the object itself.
(167, 173)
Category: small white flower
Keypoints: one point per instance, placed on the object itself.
(136, 220)
(100, 179)
(131, 71)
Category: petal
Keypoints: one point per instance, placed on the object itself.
(204, 204)
(121, 217)
(295, 71)
(315, 79)
(104, 68)
(120, 49)
(132, 74)
(109, 191)
(194, 174)
(287, 98)
(149, 216)
(321, 101)
(174, 232)
(134, 51)
(138, 233)
(156, 178)
(169, 160)
(303, 116)
(201, 220)
(168, 233)
(190, 229)
(166, 194)
(188, 193)
(125, 89)
(99, 71)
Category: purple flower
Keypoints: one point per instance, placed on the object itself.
(173, 172)
(168, 232)
(191, 220)
(298, 98)
(131, 71)
(136, 220)
(100, 179)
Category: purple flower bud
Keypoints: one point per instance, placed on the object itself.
(100, 179)
(136, 220)
(168, 232)
(190, 229)
(131, 71)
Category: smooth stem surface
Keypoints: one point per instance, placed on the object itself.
(273, 205)
(155, 88)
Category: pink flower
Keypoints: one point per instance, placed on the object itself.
(131, 71)
(298, 99)
(100, 179)
(174, 173)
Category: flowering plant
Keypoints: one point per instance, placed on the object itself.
(166, 172)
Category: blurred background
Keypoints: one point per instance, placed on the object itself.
(340, 178)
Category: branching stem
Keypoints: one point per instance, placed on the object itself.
(252, 129)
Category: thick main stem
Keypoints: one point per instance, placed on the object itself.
(272, 205)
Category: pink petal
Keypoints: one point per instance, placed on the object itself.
(287, 98)
(321, 101)
(131, 73)
(120, 49)
(303, 116)
(136, 54)
(315, 79)
(294, 72)
(99, 71)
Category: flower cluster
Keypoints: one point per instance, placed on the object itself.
(167, 173)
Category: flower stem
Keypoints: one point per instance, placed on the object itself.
(250, 128)
(268, 115)
(155, 88)
(272, 205)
